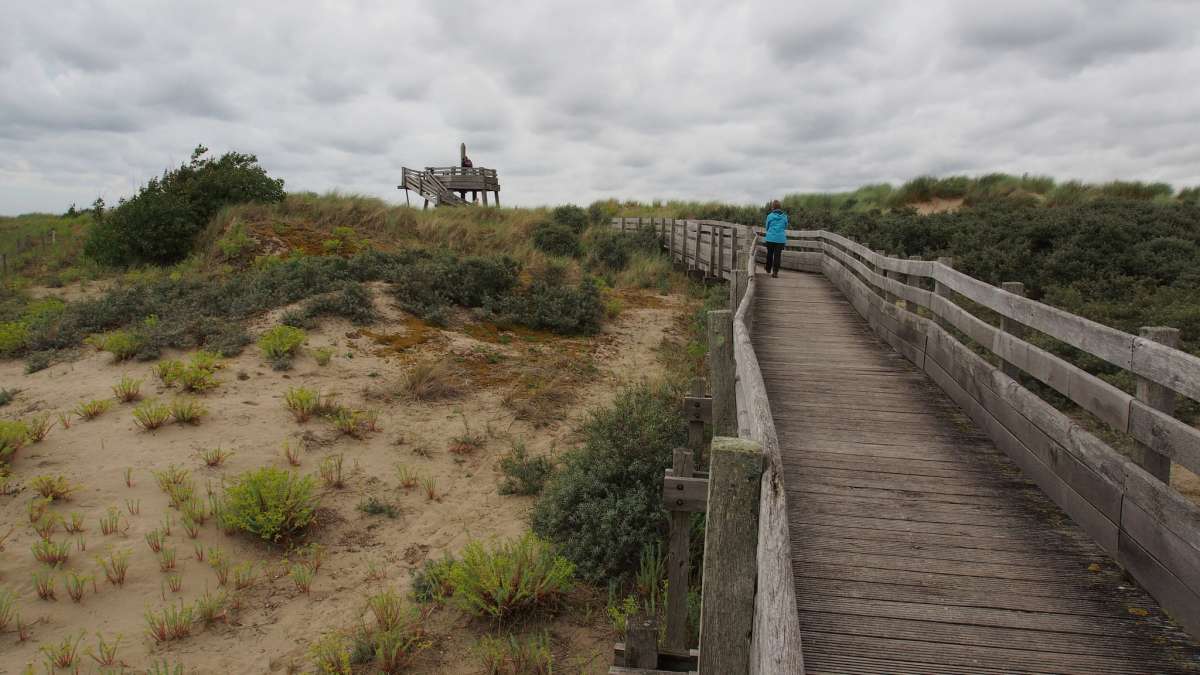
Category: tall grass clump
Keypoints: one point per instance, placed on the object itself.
(510, 578)
(280, 345)
(270, 503)
(13, 436)
(605, 502)
(512, 655)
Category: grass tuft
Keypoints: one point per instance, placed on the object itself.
(90, 410)
(186, 410)
(150, 415)
(302, 402)
(127, 390)
(431, 381)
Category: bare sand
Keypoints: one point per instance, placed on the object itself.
(276, 624)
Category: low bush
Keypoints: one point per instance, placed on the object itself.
(570, 216)
(13, 337)
(570, 310)
(523, 475)
(151, 414)
(556, 239)
(605, 502)
(611, 250)
(510, 578)
(512, 655)
(432, 582)
(123, 345)
(13, 437)
(353, 301)
(280, 344)
(270, 503)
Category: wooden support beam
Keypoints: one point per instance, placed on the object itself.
(697, 409)
(722, 371)
(679, 562)
(669, 661)
(641, 642)
(685, 494)
(1160, 398)
(941, 289)
(730, 556)
(1013, 328)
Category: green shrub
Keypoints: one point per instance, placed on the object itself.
(523, 475)
(576, 310)
(611, 250)
(556, 239)
(280, 344)
(432, 582)
(37, 361)
(7, 395)
(13, 436)
(516, 656)
(270, 503)
(123, 345)
(570, 216)
(353, 301)
(13, 337)
(159, 224)
(511, 578)
(605, 503)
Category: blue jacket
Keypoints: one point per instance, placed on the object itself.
(776, 225)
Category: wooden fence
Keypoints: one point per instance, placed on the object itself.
(946, 323)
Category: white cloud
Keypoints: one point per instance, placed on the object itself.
(576, 101)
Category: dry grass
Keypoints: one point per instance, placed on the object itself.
(432, 381)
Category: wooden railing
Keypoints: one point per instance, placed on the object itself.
(942, 320)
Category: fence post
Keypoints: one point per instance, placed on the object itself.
(1160, 398)
(730, 549)
(733, 250)
(940, 289)
(1012, 327)
(721, 368)
(696, 418)
(679, 562)
(641, 642)
(887, 274)
(721, 252)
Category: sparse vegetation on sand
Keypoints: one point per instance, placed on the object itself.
(270, 503)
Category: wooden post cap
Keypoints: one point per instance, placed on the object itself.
(1161, 334)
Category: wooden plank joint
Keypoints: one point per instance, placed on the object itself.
(697, 408)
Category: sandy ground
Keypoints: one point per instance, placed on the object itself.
(938, 205)
(276, 623)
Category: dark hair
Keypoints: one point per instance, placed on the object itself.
(775, 204)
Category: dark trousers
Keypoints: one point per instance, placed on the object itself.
(774, 254)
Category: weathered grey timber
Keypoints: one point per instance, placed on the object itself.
(942, 517)
(721, 366)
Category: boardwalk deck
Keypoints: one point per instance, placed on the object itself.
(917, 546)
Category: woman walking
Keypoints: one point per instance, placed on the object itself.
(776, 239)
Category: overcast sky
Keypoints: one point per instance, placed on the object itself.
(697, 99)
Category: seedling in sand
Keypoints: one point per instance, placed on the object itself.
(75, 524)
(189, 527)
(90, 410)
(215, 457)
(64, 419)
(63, 655)
(174, 582)
(323, 355)
(211, 608)
(302, 402)
(110, 522)
(105, 654)
(244, 575)
(39, 427)
(80, 543)
(167, 523)
(302, 576)
(168, 371)
(154, 539)
(43, 583)
(198, 551)
(173, 622)
(221, 568)
(47, 525)
(52, 487)
(37, 508)
(195, 511)
(115, 566)
(127, 390)
(280, 344)
(7, 613)
(407, 477)
(150, 415)
(133, 506)
(206, 360)
(331, 471)
(76, 584)
(52, 553)
(292, 455)
(467, 442)
(196, 380)
(374, 506)
(24, 630)
(129, 477)
(166, 559)
(431, 490)
(187, 410)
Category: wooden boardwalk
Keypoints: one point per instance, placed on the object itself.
(917, 546)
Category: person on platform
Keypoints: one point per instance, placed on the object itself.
(776, 239)
(467, 163)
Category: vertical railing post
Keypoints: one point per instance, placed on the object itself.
(730, 550)
(679, 562)
(1013, 328)
(722, 371)
(942, 290)
(674, 223)
(1160, 398)
(721, 252)
(641, 642)
(887, 274)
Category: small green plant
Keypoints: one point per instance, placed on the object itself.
(164, 667)
(523, 475)
(105, 654)
(244, 575)
(331, 471)
(302, 576)
(43, 583)
(13, 437)
(510, 578)
(215, 457)
(90, 410)
(64, 655)
(36, 508)
(47, 525)
(291, 454)
(271, 503)
(150, 415)
(173, 622)
(115, 566)
(168, 371)
(432, 582)
(64, 420)
(467, 442)
(75, 525)
(323, 355)
(280, 344)
(133, 506)
(39, 427)
(155, 540)
(302, 402)
(221, 568)
(110, 522)
(211, 608)
(174, 581)
(197, 380)
(76, 584)
(186, 410)
(331, 656)
(374, 506)
(166, 559)
(516, 656)
(7, 611)
(127, 390)
(407, 478)
(129, 477)
(51, 553)
(431, 489)
(52, 487)
(123, 345)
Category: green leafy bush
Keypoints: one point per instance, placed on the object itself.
(510, 578)
(571, 217)
(432, 582)
(556, 239)
(352, 301)
(13, 337)
(605, 503)
(123, 345)
(523, 475)
(611, 250)
(570, 310)
(13, 436)
(159, 224)
(270, 503)
(280, 344)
